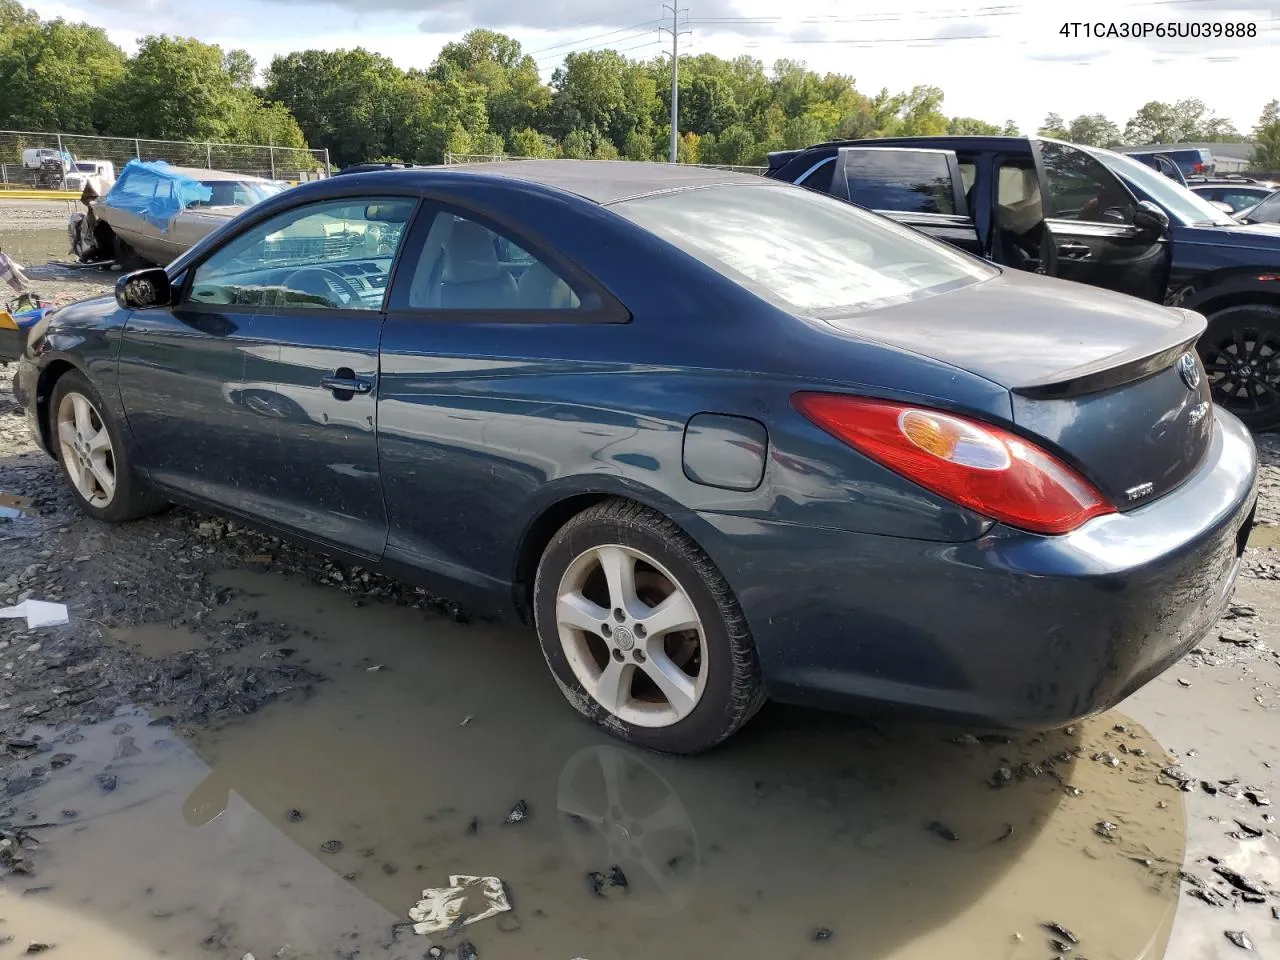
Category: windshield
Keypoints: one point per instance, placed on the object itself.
(87, 167)
(806, 251)
(237, 193)
(1268, 211)
(1180, 203)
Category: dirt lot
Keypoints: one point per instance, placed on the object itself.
(238, 747)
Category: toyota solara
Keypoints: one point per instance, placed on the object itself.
(719, 439)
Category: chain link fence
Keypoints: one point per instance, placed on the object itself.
(451, 158)
(31, 160)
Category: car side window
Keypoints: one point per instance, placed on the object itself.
(911, 181)
(1081, 188)
(466, 265)
(334, 254)
(820, 177)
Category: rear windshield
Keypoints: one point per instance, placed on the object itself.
(808, 252)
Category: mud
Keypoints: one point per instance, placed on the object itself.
(236, 746)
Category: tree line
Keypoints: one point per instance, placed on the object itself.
(483, 94)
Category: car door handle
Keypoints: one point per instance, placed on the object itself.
(1075, 251)
(345, 381)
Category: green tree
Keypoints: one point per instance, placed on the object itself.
(530, 143)
(352, 101)
(56, 75)
(175, 88)
(1185, 121)
(798, 132)
(240, 68)
(590, 92)
(735, 146)
(576, 145)
(1011, 129)
(514, 95)
(14, 16)
(1093, 130)
(1266, 155)
(970, 127)
(1054, 126)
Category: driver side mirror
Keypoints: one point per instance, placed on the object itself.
(144, 288)
(1150, 219)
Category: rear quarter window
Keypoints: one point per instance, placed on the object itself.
(806, 252)
(902, 180)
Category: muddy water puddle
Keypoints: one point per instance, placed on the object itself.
(14, 507)
(315, 825)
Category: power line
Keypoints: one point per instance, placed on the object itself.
(556, 57)
(572, 43)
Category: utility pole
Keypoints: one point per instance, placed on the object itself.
(675, 32)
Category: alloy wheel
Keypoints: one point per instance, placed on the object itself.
(87, 452)
(632, 636)
(1243, 366)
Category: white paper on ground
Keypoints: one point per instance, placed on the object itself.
(440, 908)
(39, 613)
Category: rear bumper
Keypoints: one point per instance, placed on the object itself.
(1012, 629)
(24, 391)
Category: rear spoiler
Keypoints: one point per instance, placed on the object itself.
(1136, 363)
(780, 158)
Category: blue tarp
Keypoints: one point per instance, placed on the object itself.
(155, 191)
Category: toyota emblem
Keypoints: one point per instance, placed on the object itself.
(1189, 370)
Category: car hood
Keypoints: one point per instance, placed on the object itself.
(1261, 237)
(1025, 331)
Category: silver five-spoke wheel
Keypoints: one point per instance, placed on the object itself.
(642, 631)
(632, 636)
(87, 451)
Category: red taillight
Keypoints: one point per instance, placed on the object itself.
(991, 471)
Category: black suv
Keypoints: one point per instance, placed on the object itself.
(1081, 214)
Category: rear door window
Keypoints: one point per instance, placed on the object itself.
(910, 181)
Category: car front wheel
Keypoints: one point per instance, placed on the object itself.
(642, 632)
(93, 455)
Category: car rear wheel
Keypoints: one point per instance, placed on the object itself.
(93, 456)
(1241, 355)
(642, 632)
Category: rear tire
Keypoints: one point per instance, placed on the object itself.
(93, 455)
(641, 631)
(1241, 355)
(128, 258)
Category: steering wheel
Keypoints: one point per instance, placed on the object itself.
(319, 281)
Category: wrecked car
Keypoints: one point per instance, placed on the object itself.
(155, 211)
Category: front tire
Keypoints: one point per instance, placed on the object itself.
(641, 631)
(93, 456)
(1241, 355)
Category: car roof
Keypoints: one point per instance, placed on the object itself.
(200, 173)
(602, 181)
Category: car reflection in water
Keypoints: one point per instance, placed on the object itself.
(806, 821)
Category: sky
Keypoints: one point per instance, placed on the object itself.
(995, 60)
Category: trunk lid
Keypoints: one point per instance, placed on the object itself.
(1097, 378)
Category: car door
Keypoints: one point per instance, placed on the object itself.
(921, 188)
(178, 371)
(474, 339)
(317, 275)
(1168, 167)
(1089, 233)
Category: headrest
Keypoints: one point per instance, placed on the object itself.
(469, 254)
